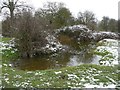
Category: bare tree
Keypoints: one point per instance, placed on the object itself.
(12, 5)
(87, 18)
(30, 36)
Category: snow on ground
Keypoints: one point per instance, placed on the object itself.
(112, 48)
(72, 76)
(7, 46)
(88, 85)
(1, 36)
(103, 32)
(74, 28)
(58, 72)
(88, 80)
(109, 51)
(53, 44)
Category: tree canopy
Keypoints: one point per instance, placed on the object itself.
(87, 18)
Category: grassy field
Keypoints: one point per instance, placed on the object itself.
(86, 75)
(5, 39)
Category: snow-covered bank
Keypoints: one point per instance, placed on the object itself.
(8, 46)
(107, 51)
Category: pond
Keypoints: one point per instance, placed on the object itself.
(104, 52)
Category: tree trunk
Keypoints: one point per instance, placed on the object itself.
(12, 22)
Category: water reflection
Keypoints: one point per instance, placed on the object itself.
(51, 62)
(83, 55)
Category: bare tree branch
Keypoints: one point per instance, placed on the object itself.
(3, 7)
(16, 2)
(5, 3)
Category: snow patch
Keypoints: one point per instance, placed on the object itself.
(88, 85)
(73, 28)
(7, 46)
(53, 44)
(111, 52)
(71, 76)
(58, 72)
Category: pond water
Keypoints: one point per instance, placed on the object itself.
(89, 54)
(51, 62)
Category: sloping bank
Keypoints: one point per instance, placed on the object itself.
(82, 76)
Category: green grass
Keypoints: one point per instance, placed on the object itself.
(41, 78)
(6, 39)
(61, 78)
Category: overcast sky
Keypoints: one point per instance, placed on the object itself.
(99, 7)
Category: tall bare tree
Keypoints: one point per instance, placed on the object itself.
(87, 18)
(12, 5)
